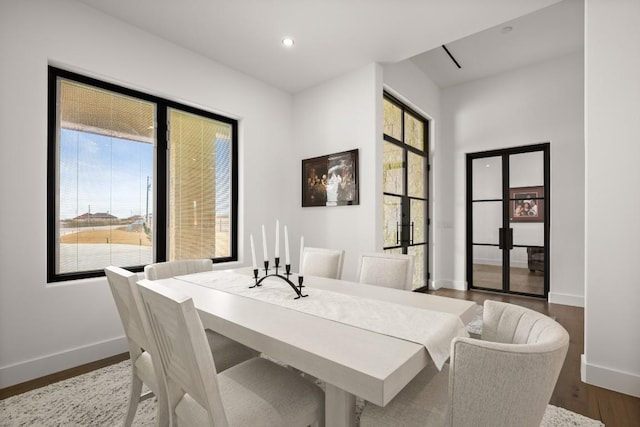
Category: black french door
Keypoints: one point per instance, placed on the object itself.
(508, 213)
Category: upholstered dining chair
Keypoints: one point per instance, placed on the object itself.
(388, 270)
(226, 351)
(164, 270)
(506, 378)
(127, 298)
(255, 392)
(322, 262)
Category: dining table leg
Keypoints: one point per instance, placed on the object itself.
(340, 407)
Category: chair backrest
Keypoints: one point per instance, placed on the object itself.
(178, 338)
(164, 270)
(388, 270)
(507, 377)
(125, 294)
(322, 262)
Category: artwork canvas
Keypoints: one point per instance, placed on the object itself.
(330, 180)
(527, 204)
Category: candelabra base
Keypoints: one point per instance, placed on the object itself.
(297, 289)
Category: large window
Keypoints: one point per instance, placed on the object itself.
(135, 179)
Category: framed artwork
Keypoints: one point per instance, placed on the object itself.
(330, 180)
(526, 204)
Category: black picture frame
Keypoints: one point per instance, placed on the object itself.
(331, 180)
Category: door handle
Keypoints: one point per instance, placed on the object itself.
(501, 238)
(509, 238)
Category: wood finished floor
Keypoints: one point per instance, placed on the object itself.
(612, 408)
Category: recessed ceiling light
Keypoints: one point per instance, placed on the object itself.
(506, 29)
(287, 42)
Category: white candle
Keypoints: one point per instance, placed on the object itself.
(286, 247)
(253, 254)
(301, 253)
(264, 244)
(277, 255)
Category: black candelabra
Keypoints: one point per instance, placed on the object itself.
(296, 288)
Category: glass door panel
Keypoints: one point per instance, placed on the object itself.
(487, 222)
(392, 169)
(418, 211)
(416, 175)
(392, 122)
(487, 178)
(414, 129)
(419, 263)
(391, 217)
(487, 267)
(526, 169)
(527, 259)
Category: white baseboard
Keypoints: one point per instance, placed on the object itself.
(50, 364)
(566, 299)
(622, 382)
(459, 285)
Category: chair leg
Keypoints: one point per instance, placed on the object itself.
(134, 398)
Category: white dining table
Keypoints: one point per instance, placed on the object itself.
(350, 360)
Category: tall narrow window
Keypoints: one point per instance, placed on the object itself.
(405, 185)
(123, 191)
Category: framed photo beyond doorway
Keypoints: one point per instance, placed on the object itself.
(527, 204)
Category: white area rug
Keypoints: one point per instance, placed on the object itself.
(99, 398)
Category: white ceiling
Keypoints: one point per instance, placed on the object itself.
(332, 37)
(548, 33)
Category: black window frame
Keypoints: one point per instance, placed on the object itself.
(161, 176)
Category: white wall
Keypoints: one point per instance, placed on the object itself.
(46, 328)
(540, 103)
(340, 115)
(612, 298)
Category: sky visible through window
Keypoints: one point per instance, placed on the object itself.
(109, 175)
(104, 174)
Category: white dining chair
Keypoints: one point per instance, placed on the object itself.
(388, 270)
(504, 379)
(127, 298)
(255, 392)
(322, 262)
(164, 270)
(227, 351)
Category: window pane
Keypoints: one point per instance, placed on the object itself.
(391, 217)
(392, 120)
(416, 176)
(419, 264)
(105, 154)
(414, 130)
(199, 187)
(418, 220)
(392, 169)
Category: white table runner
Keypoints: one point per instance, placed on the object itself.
(433, 329)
